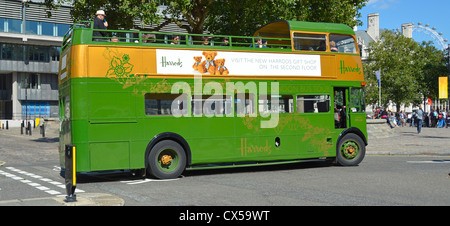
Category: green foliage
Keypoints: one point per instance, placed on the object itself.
(231, 17)
(235, 17)
(119, 13)
(409, 70)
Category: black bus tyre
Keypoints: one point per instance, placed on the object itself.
(167, 160)
(350, 150)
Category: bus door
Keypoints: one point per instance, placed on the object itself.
(341, 115)
(349, 107)
(357, 108)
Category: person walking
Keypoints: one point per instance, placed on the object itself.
(402, 118)
(419, 115)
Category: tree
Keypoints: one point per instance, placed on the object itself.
(409, 70)
(433, 66)
(233, 17)
(236, 17)
(243, 18)
(396, 57)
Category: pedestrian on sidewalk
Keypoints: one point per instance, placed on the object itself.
(419, 115)
(402, 118)
(441, 119)
(385, 115)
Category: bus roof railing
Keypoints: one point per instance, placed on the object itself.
(133, 37)
(275, 36)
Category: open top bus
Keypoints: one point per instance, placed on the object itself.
(161, 102)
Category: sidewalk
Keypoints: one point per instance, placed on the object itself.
(51, 132)
(406, 141)
(83, 199)
(50, 142)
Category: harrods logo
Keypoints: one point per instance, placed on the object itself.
(344, 69)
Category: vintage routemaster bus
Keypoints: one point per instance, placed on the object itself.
(161, 103)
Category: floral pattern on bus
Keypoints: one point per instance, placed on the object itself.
(120, 67)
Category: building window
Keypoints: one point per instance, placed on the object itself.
(39, 53)
(47, 28)
(29, 52)
(2, 25)
(32, 27)
(36, 108)
(12, 51)
(62, 29)
(30, 81)
(14, 26)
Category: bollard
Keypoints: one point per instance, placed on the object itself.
(29, 128)
(43, 130)
(6, 125)
(21, 128)
(70, 173)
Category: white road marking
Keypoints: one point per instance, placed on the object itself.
(430, 161)
(34, 184)
(131, 182)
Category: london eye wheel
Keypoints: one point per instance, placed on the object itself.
(437, 37)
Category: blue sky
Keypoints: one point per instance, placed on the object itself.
(393, 13)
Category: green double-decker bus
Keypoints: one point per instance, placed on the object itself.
(161, 103)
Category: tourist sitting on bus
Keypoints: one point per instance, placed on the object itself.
(175, 40)
(148, 38)
(322, 46)
(225, 42)
(258, 43)
(264, 44)
(205, 41)
(333, 46)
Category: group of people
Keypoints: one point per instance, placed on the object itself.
(417, 118)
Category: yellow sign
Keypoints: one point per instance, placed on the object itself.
(443, 87)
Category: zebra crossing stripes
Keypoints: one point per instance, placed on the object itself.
(31, 181)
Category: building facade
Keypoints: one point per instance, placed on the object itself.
(29, 58)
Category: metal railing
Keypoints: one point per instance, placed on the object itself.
(132, 37)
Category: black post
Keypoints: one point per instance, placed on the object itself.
(70, 173)
(43, 130)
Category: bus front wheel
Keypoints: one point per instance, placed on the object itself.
(350, 150)
(167, 160)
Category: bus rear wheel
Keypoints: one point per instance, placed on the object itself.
(167, 160)
(350, 150)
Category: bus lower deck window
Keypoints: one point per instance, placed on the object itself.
(267, 104)
(211, 105)
(313, 103)
(165, 104)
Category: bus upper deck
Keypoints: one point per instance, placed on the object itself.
(316, 50)
(276, 35)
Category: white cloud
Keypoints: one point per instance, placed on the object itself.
(381, 4)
